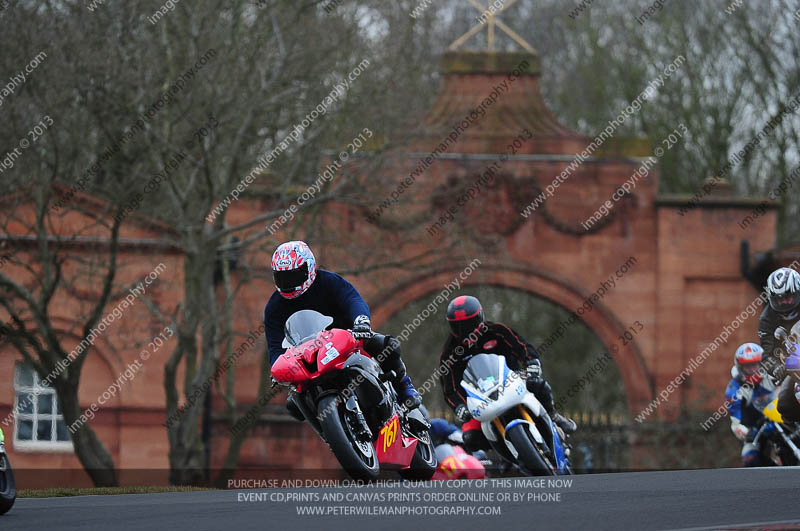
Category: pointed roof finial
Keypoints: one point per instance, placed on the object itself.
(489, 19)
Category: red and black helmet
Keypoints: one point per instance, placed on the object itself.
(464, 315)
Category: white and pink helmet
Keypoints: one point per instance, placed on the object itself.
(293, 269)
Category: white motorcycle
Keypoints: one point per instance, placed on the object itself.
(512, 419)
(8, 488)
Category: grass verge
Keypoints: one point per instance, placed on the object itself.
(103, 491)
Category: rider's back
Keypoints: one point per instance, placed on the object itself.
(330, 295)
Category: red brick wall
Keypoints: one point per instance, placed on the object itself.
(684, 287)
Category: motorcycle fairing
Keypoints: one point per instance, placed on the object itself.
(493, 399)
(771, 412)
(393, 448)
(363, 364)
(528, 401)
(417, 420)
(558, 448)
(455, 463)
(488, 387)
(315, 358)
(370, 388)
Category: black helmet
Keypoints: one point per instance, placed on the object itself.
(464, 315)
(783, 290)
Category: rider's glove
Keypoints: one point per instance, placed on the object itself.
(774, 365)
(739, 429)
(361, 328)
(533, 373)
(462, 413)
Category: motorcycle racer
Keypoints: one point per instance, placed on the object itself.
(299, 285)
(746, 395)
(783, 292)
(471, 334)
(789, 393)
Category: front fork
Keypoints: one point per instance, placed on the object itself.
(499, 425)
(418, 425)
(788, 441)
(360, 422)
(547, 434)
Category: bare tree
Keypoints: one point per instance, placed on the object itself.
(165, 119)
(47, 270)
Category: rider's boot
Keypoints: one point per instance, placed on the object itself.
(566, 424)
(544, 394)
(406, 394)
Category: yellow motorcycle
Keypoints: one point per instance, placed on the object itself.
(782, 437)
(8, 488)
(778, 439)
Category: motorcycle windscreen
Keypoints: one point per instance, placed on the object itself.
(304, 325)
(485, 371)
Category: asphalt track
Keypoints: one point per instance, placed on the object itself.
(690, 499)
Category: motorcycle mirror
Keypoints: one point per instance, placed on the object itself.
(780, 333)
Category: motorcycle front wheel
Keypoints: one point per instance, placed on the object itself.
(8, 487)
(528, 455)
(423, 464)
(357, 457)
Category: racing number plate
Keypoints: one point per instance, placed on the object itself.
(389, 433)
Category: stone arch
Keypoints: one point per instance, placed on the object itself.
(601, 319)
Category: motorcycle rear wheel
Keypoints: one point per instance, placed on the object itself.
(528, 455)
(8, 487)
(358, 458)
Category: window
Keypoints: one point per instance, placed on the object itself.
(39, 421)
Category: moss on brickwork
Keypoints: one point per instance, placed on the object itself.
(466, 62)
(625, 147)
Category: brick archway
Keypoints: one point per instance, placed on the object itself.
(690, 252)
(600, 320)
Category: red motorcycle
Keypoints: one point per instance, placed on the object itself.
(348, 400)
(456, 463)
